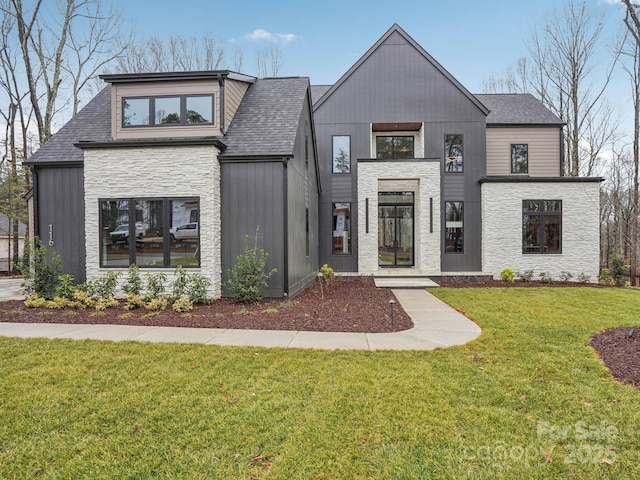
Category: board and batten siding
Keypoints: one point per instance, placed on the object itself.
(233, 94)
(152, 89)
(544, 149)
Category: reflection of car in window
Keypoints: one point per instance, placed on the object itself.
(188, 230)
(121, 233)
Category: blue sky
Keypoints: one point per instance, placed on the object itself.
(322, 39)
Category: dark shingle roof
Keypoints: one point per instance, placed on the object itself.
(267, 120)
(92, 123)
(517, 109)
(317, 91)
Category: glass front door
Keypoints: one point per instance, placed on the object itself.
(395, 229)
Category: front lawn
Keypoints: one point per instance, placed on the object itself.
(528, 399)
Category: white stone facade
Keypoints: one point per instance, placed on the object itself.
(421, 177)
(502, 228)
(184, 171)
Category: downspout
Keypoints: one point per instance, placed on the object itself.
(285, 226)
(221, 84)
(561, 151)
(36, 218)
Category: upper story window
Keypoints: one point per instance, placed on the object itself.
(394, 147)
(453, 158)
(172, 110)
(341, 154)
(519, 158)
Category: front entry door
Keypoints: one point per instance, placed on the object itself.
(395, 229)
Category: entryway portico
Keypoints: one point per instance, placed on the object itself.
(399, 216)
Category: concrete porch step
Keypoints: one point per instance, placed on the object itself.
(403, 282)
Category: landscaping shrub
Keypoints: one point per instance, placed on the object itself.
(507, 275)
(526, 276)
(605, 278)
(133, 283)
(66, 287)
(43, 272)
(619, 271)
(155, 286)
(182, 305)
(248, 278)
(133, 301)
(545, 277)
(584, 278)
(565, 276)
(157, 304)
(105, 286)
(196, 289)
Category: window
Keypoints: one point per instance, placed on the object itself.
(453, 161)
(454, 227)
(542, 226)
(160, 111)
(341, 154)
(519, 158)
(341, 228)
(394, 147)
(159, 232)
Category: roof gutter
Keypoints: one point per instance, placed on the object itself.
(223, 130)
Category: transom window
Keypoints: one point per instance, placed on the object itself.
(158, 232)
(394, 147)
(519, 158)
(170, 110)
(542, 226)
(453, 159)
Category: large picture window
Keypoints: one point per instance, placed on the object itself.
(542, 226)
(341, 154)
(158, 232)
(341, 228)
(519, 158)
(453, 158)
(394, 147)
(160, 111)
(454, 227)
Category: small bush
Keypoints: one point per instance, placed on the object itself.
(157, 304)
(180, 281)
(526, 276)
(182, 305)
(327, 273)
(248, 278)
(105, 286)
(35, 301)
(66, 287)
(605, 278)
(583, 278)
(43, 272)
(155, 286)
(545, 278)
(507, 275)
(619, 271)
(83, 299)
(565, 276)
(133, 301)
(133, 283)
(103, 303)
(197, 285)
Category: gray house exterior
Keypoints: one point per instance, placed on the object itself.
(395, 170)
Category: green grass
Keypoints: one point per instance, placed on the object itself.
(529, 390)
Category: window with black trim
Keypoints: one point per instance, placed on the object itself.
(519, 158)
(154, 232)
(341, 153)
(453, 157)
(341, 228)
(167, 110)
(542, 226)
(393, 147)
(454, 227)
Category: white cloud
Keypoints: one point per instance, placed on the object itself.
(260, 34)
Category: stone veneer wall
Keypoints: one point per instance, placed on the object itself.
(502, 228)
(422, 177)
(187, 171)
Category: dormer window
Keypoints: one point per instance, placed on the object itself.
(167, 110)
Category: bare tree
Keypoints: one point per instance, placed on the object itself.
(268, 60)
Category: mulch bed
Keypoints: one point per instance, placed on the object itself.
(619, 349)
(348, 305)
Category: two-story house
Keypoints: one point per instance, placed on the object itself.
(396, 169)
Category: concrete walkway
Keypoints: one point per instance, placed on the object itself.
(435, 325)
(11, 289)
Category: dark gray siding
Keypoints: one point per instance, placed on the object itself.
(253, 195)
(397, 83)
(302, 192)
(60, 204)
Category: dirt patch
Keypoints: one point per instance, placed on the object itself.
(348, 305)
(619, 349)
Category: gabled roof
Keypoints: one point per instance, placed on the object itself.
(92, 123)
(517, 109)
(266, 122)
(395, 28)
